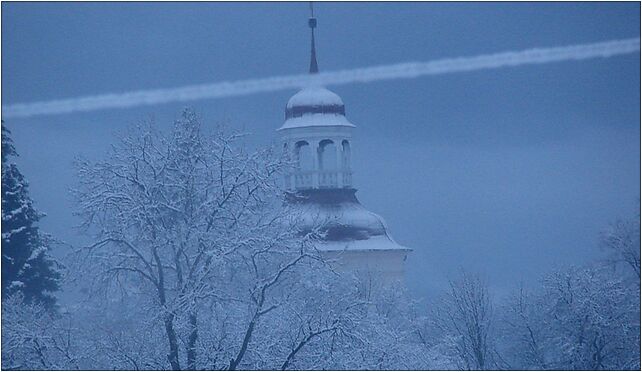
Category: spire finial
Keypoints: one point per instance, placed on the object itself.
(312, 22)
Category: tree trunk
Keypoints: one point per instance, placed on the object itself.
(173, 343)
(169, 317)
(246, 340)
(191, 342)
(290, 356)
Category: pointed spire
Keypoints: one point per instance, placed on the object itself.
(312, 22)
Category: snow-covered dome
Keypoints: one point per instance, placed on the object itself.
(315, 107)
(314, 96)
(314, 100)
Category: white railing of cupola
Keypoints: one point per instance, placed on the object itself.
(328, 179)
(346, 179)
(303, 180)
(319, 179)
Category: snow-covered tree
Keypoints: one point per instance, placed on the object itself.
(34, 338)
(583, 318)
(26, 265)
(463, 321)
(622, 243)
(522, 336)
(90, 335)
(198, 226)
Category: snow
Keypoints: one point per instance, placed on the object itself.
(36, 252)
(16, 284)
(314, 96)
(346, 214)
(14, 192)
(18, 210)
(374, 243)
(8, 235)
(317, 120)
(353, 215)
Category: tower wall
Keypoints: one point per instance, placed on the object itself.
(385, 267)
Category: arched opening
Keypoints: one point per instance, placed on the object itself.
(327, 155)
(303, 156)
(345, 155)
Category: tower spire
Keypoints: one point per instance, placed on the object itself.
(312, 22)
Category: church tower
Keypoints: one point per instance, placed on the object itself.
(319, 138)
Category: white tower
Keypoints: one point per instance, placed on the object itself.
(318, 136)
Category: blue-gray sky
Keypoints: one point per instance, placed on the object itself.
(510, 172)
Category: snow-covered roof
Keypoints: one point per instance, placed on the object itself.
(315, 107)
(314, 96)
(347, 223)
(317, 120)
(349, 214)
(375, 243)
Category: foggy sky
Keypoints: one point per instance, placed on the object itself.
(508, 172)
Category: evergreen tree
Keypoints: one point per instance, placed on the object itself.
(26, 266)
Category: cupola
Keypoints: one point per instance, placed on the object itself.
(317, 136)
